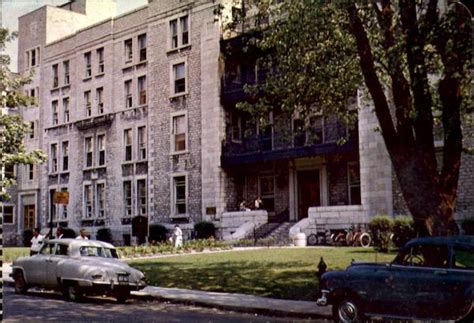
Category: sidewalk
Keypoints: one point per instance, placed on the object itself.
(235, 302)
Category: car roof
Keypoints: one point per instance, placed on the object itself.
(82, 242)
(443, 240)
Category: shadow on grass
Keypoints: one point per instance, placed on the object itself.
(277, 280)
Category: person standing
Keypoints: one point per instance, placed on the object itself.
(177, 236)
(36, 242)
(258, 203)
(82, 235)
(59, 233)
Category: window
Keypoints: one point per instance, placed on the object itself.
(353, 175)
(316, 134)
(54, 107)
(32, 129)
(180, 195)
(127, 138)
(267, 192)
(434, 256)
(88, 199)
(128, 50)
(9, 171)
(55, 76)
(141, 196)
(87, 103)
(87, 62)
(100, 59)
(66, 110)
(179, 133)
(179, 78)
(54, 158)
(32, 94)
(142, 47)
(236, 123)
(142, 143)
(100, 188)
(8, 214)
(463, 257)
(99, 98)
(32, 57)
(127, 198)
(299, 133)
(88, 152)
(179, 32)
(101, 150)
(64, 206)
(66, 72)
(65, 155)
(31, 172)
(128, 94)
(142, 90)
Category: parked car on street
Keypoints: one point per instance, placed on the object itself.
(431, 278)
(77, 267)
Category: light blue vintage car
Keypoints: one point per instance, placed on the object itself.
(431, 278)
(77, 267)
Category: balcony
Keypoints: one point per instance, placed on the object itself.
(100, 120)
(333, 138)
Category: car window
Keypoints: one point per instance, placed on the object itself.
(61, 250)
(91, 251)
(463, 258)
(435, 256)
(47, 249)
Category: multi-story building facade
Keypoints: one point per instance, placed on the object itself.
(137, 115)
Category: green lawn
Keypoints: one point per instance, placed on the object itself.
(287, 273)
(11, 253)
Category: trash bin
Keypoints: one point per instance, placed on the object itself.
(299, 239)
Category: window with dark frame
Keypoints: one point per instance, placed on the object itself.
(127, 198)
(31, 172)
(100, 188)
(179, 78)
(142, 47)
(141, 197)
(32, 129)
(236, 123)
(100, 59)
(128, 50)
(88, 64)
(88, 201)
(99, 98)
(127, 135)
(55, 76)
(87, 103)
(180, 194)
(179, 133)
(89, 152)
(64, 206)
(142, 90)
(142, 142)
(101, 149)
(267, 192)
(66, 110)
(128, 94)
(65, 155)
(7, 214)
(54, 158)
(353, 172)
(179, 32)
(66, 72)
(54, 107)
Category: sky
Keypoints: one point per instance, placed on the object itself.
(12, 9)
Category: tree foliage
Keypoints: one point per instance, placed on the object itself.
(12, 127)
(414, 60)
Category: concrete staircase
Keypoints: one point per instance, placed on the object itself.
(272, 233)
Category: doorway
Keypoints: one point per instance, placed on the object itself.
(309, 191)
(29, 217)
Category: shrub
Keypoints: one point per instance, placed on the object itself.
(157, 233)
(104, 234)
(69, 233)
(468, 226)
(204, 230)
(381, 227)
(27, 235)
(403, 230)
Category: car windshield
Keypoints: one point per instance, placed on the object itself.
(92, 251)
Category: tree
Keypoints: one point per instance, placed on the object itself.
(12, 127)
(412, 57)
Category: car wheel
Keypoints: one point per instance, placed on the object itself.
(347, 310)
(73, 292)
(20, 283)
(122, 297)
(365, 240)
(312, 240)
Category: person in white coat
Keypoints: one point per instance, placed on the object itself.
(177, 236)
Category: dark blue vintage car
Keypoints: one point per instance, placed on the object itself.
(431, 278)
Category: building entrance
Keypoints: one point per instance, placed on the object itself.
(309, 191)
(29, 216)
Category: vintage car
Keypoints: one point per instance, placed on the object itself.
(77, 267)
(431, 278)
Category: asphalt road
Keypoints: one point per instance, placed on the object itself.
(50, 307)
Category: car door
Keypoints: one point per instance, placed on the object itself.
(36, 270)
(420, 282)
(56, 259)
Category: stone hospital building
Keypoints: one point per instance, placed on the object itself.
(137, 115)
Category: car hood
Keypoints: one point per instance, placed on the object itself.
(107, 263)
